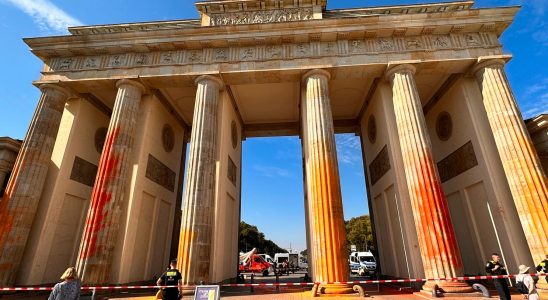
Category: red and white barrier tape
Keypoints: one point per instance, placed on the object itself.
(130, 287)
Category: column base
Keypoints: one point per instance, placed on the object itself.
(542, 288)
(188, 290)
(451, 288)
(335, 289)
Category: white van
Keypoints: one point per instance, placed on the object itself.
(268, 258)
(295, 260)
(362, 263)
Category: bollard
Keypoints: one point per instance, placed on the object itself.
(277, 281)
(252, 281)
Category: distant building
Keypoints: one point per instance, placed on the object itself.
(9, 148)
(538, 129)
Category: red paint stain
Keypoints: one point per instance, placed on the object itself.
(439, 237)
(101, 197)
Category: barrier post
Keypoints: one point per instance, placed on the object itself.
(252, 281)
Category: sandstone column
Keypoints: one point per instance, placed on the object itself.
(327, 230)
(437, 242)
(199, 195)
(20, 202)
(104, 215)
(520, 162)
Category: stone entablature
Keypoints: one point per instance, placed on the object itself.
(122, 39)
(380, 45)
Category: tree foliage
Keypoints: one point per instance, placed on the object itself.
(359, 233)
(250, 237)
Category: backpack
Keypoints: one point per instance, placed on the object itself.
(522, 288)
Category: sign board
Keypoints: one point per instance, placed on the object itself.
(207, 292)
(353, 248)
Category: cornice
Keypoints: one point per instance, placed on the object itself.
(487, 20)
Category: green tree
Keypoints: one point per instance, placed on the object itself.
(250, 237)
(359, 233)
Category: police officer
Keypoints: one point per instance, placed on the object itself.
(543, 267)
(494, 267)
(171, 277)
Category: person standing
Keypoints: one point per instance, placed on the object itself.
(529, 291)
(494, 267)
(69, 288)
(543, 267)
(171, 277)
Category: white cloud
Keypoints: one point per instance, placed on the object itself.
(46, 15)
(348, 148)
(536, 97)
(269, 171)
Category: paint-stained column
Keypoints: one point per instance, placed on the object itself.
(437, 242)
(327, 230)
(199, 194)
(520, 161)
(20, 202)
(104, 215)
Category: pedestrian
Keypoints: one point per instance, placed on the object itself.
(172, 277)
(69, 288)
(526, 284)
(495, 268)
(543, 267)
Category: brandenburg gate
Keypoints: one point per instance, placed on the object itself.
(451, 172)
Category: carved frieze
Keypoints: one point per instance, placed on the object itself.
(83, 171)
(260, 17)
(457, 162)
(379, 166)
(289, 49)
(160, 173)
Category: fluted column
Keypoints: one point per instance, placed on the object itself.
(20, 202)
(437, 242)
(199, 194)
(104, 215)
(327, 230)
(520, 161)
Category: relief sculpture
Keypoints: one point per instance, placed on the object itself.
(259, 17)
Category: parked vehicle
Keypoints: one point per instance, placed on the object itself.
(268, 258)
(295, 261)
(254, 263)
(363, 263)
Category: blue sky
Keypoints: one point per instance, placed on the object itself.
(272, 172)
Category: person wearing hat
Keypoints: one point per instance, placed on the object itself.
(530, 292)
(495, 268)
(171, 277)
(543, 267)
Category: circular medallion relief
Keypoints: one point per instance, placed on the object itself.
(372, 129)
(168, 138)
(234, 134)
(100, 136)
(444, 126)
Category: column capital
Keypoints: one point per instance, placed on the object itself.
(50, 86)
(492, 61)
(214, 79)
(399, 68)
(132, 82)
(316, 72)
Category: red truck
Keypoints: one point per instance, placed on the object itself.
(251, 262)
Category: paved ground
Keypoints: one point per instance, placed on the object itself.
(262, 293)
